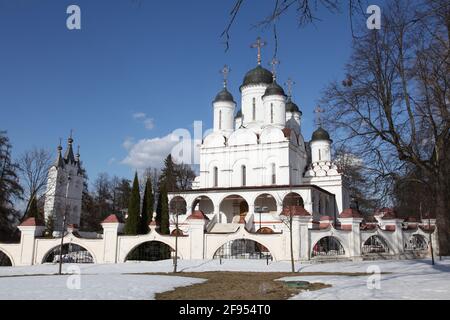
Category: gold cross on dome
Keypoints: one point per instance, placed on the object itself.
(225, 72)
(290, 84)
(258, 45)
(274, 63)
(319, 111)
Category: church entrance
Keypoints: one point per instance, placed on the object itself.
(243, 249)
(70, 253)
(151, 251)
(235, 208)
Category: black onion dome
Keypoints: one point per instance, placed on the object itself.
(274, 89)
(321, 134)
(292, 107)
(258, 75)
(238, 114)
(224, 95)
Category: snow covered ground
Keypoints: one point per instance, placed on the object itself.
(410, 279)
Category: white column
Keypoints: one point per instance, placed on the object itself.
(196, 238)
(305, 242)
(398, 236)
(296, 237)
(27, 244)
(110, 237)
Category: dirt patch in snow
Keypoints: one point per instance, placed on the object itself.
(242, 286)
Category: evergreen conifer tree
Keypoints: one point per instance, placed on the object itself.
(132, 223)
(147, 207)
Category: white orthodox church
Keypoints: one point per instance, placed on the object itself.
(256, 161)
(262, 192)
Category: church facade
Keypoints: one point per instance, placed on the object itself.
(262, 192)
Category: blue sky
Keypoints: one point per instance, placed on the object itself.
(158, 58)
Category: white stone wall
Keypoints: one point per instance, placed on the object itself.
(197, 244)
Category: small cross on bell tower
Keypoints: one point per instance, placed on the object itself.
(225, 72)
(258, 45)
(290, 84)
(319, 118)
(274, 63)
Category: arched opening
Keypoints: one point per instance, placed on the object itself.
(271, 113)
(293, 199)
(375, 244)
(177, 206)
(243, 175)
(204, 204)
(151, 251)
(416, 242)
(5, 261)
(273, 173)
(215, 177)
(266, 203)
(70, 253)
(242, 249)
(234, 207)
(328, 246)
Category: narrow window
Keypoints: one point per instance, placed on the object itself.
(271, 113)
(220, 120)
(216, 177)
(274, 174)
(244, 175)
(320, 155)
(254, 109)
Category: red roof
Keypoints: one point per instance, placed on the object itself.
(326, 218)
(350, 213)
(389, 228)
(295, 211)
(111, 219)
(198, 215)
(30, 222)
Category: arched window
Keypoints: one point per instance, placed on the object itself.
(244, 175)
(216, 177)
(254, 109)
(274, 174)
(271, 113)
(220, 120)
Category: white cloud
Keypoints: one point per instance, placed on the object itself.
(128, 143)
(142, 117)
(149, 124)
(139, 115)
(149, 152)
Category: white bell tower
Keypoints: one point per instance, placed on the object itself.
(64, 189)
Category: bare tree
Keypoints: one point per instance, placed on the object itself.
(33, 170)
(306, 12)
(395, 110)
